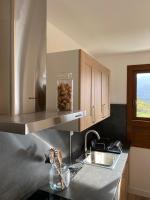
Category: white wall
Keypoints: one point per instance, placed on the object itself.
(59, 41)
(139, 159)
(139, 171)
(118, 66)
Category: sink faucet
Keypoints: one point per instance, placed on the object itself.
(90, 131)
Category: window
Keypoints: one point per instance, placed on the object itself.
(138, 105)
(143, 95)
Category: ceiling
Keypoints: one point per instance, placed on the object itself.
(104, 26)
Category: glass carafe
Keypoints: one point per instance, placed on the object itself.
(59, 179)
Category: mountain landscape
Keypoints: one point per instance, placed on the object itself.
(143, 96)
(143, 87)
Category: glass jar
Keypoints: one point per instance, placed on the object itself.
(59, 179)
(65, 92)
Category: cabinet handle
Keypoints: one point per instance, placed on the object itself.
(91, 111)
(103, 110)
(93, 114)
(79, 115)
(33, 98)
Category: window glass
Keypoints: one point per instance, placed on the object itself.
(143, 95)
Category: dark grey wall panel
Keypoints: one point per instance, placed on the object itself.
(115, 126)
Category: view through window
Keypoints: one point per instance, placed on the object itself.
(143, 95)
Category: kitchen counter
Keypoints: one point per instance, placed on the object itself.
(94, 182)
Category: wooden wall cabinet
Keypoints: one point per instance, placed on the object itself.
(90, 90)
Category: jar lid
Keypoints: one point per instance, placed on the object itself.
(64, 75)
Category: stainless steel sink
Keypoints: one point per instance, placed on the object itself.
(101, 158)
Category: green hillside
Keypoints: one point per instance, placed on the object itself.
(143, 108)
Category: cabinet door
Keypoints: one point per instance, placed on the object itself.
(85, 90)
(105, 94)
(97, 94)
(123, 184)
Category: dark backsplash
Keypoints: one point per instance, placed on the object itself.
(115, 126)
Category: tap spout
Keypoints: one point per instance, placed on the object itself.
(90, 131)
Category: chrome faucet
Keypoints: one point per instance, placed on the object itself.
(90, 131)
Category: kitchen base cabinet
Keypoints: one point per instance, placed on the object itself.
(122, 191)
(90, 86)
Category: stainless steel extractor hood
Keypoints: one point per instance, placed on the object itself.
(33, 122)
(23, 68)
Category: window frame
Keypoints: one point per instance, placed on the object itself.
(138, 129)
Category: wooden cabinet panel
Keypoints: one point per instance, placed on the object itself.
(105, 94)
(123, 185)
(86, 91)
(97, 94)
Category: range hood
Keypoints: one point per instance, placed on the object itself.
(33, 122)
(23, 69)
